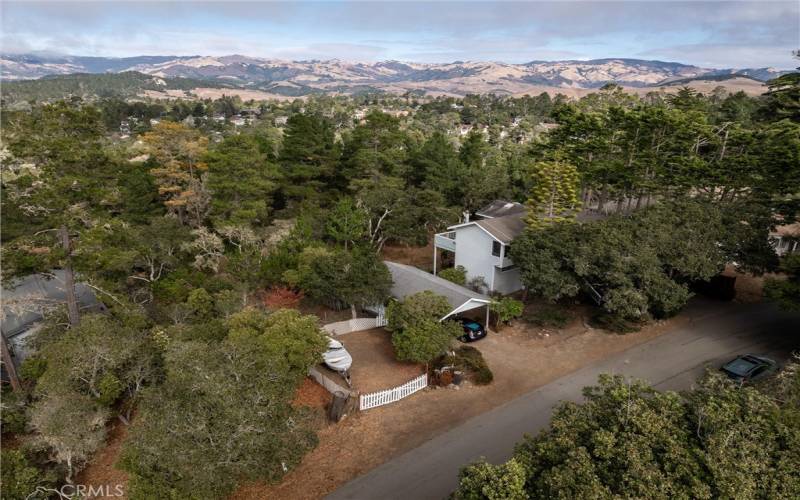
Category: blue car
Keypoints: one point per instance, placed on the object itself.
(472, 330)
(748, 368)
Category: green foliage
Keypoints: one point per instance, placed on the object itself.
(19, 477)
(424, 340)
(420, 306)
(200, 304)
(613, 323)
(484, 481)
(243, 178)
(14, 415)
(507, 309)
(418, 334)
(630, 440)
(347, 223)
(554, 193)
(285, 333)
(32, 368)
(640, 265)
(340, 278)
(457, 275)
(237, 392)
(786, 292)
(308, 157)
(549, 317)
(469, 360)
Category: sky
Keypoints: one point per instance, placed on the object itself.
(714, 34)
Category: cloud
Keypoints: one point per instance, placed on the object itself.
(715, 33)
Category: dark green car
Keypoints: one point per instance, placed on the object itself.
(748, 368)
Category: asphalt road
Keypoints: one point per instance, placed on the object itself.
(673, 361)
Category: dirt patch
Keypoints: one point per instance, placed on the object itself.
(749, 288)
(421, 257)
(521, 360)
(324, 313)
(101, 471)
(374, 364)
(311, 394)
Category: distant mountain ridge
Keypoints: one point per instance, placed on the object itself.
(301, 77)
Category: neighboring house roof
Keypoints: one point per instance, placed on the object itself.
(500, 208)
(408, 280)
(27, 299)
(791, 230)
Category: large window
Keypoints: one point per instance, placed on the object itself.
(496, 248)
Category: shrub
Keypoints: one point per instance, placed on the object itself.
(33, 368)
(507, 309)
(613, 323)
(281, 297)
(14, 417)
(457, 275)
(19, 477)
(548, 317)
(470, 361)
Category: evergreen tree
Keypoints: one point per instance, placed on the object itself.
(554, 195)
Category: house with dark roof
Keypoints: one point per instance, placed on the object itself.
(482, 245)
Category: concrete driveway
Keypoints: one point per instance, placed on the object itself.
(670, 362)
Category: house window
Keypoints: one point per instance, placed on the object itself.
(496, 248)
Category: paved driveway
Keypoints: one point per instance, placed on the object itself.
(670, 362)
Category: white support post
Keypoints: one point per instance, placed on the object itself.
(434, 255)
(487, 317)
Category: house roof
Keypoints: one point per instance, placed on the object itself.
(505, 229)
(27, 299)
(499, 208)
(408, 280)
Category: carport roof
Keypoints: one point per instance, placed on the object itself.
(409, 280)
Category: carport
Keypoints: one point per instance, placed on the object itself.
(409, 280)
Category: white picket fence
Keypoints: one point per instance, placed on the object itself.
(380, 398)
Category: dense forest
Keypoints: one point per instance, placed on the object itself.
(184, 222)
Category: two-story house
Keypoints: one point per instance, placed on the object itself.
(482, 245)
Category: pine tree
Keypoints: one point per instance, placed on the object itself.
(554, 195)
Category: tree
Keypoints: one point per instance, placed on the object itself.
(554, 195)
(308, 156)
(375, 148)
(242, 179)
(341, 278)
(179, 151)
(224, 414)
(71, 426)
(481, 481)
(418, 332)
(71, 184)
(786, 292)
(424, 340)
(347, 222)
(627, 439)
(19, 477)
